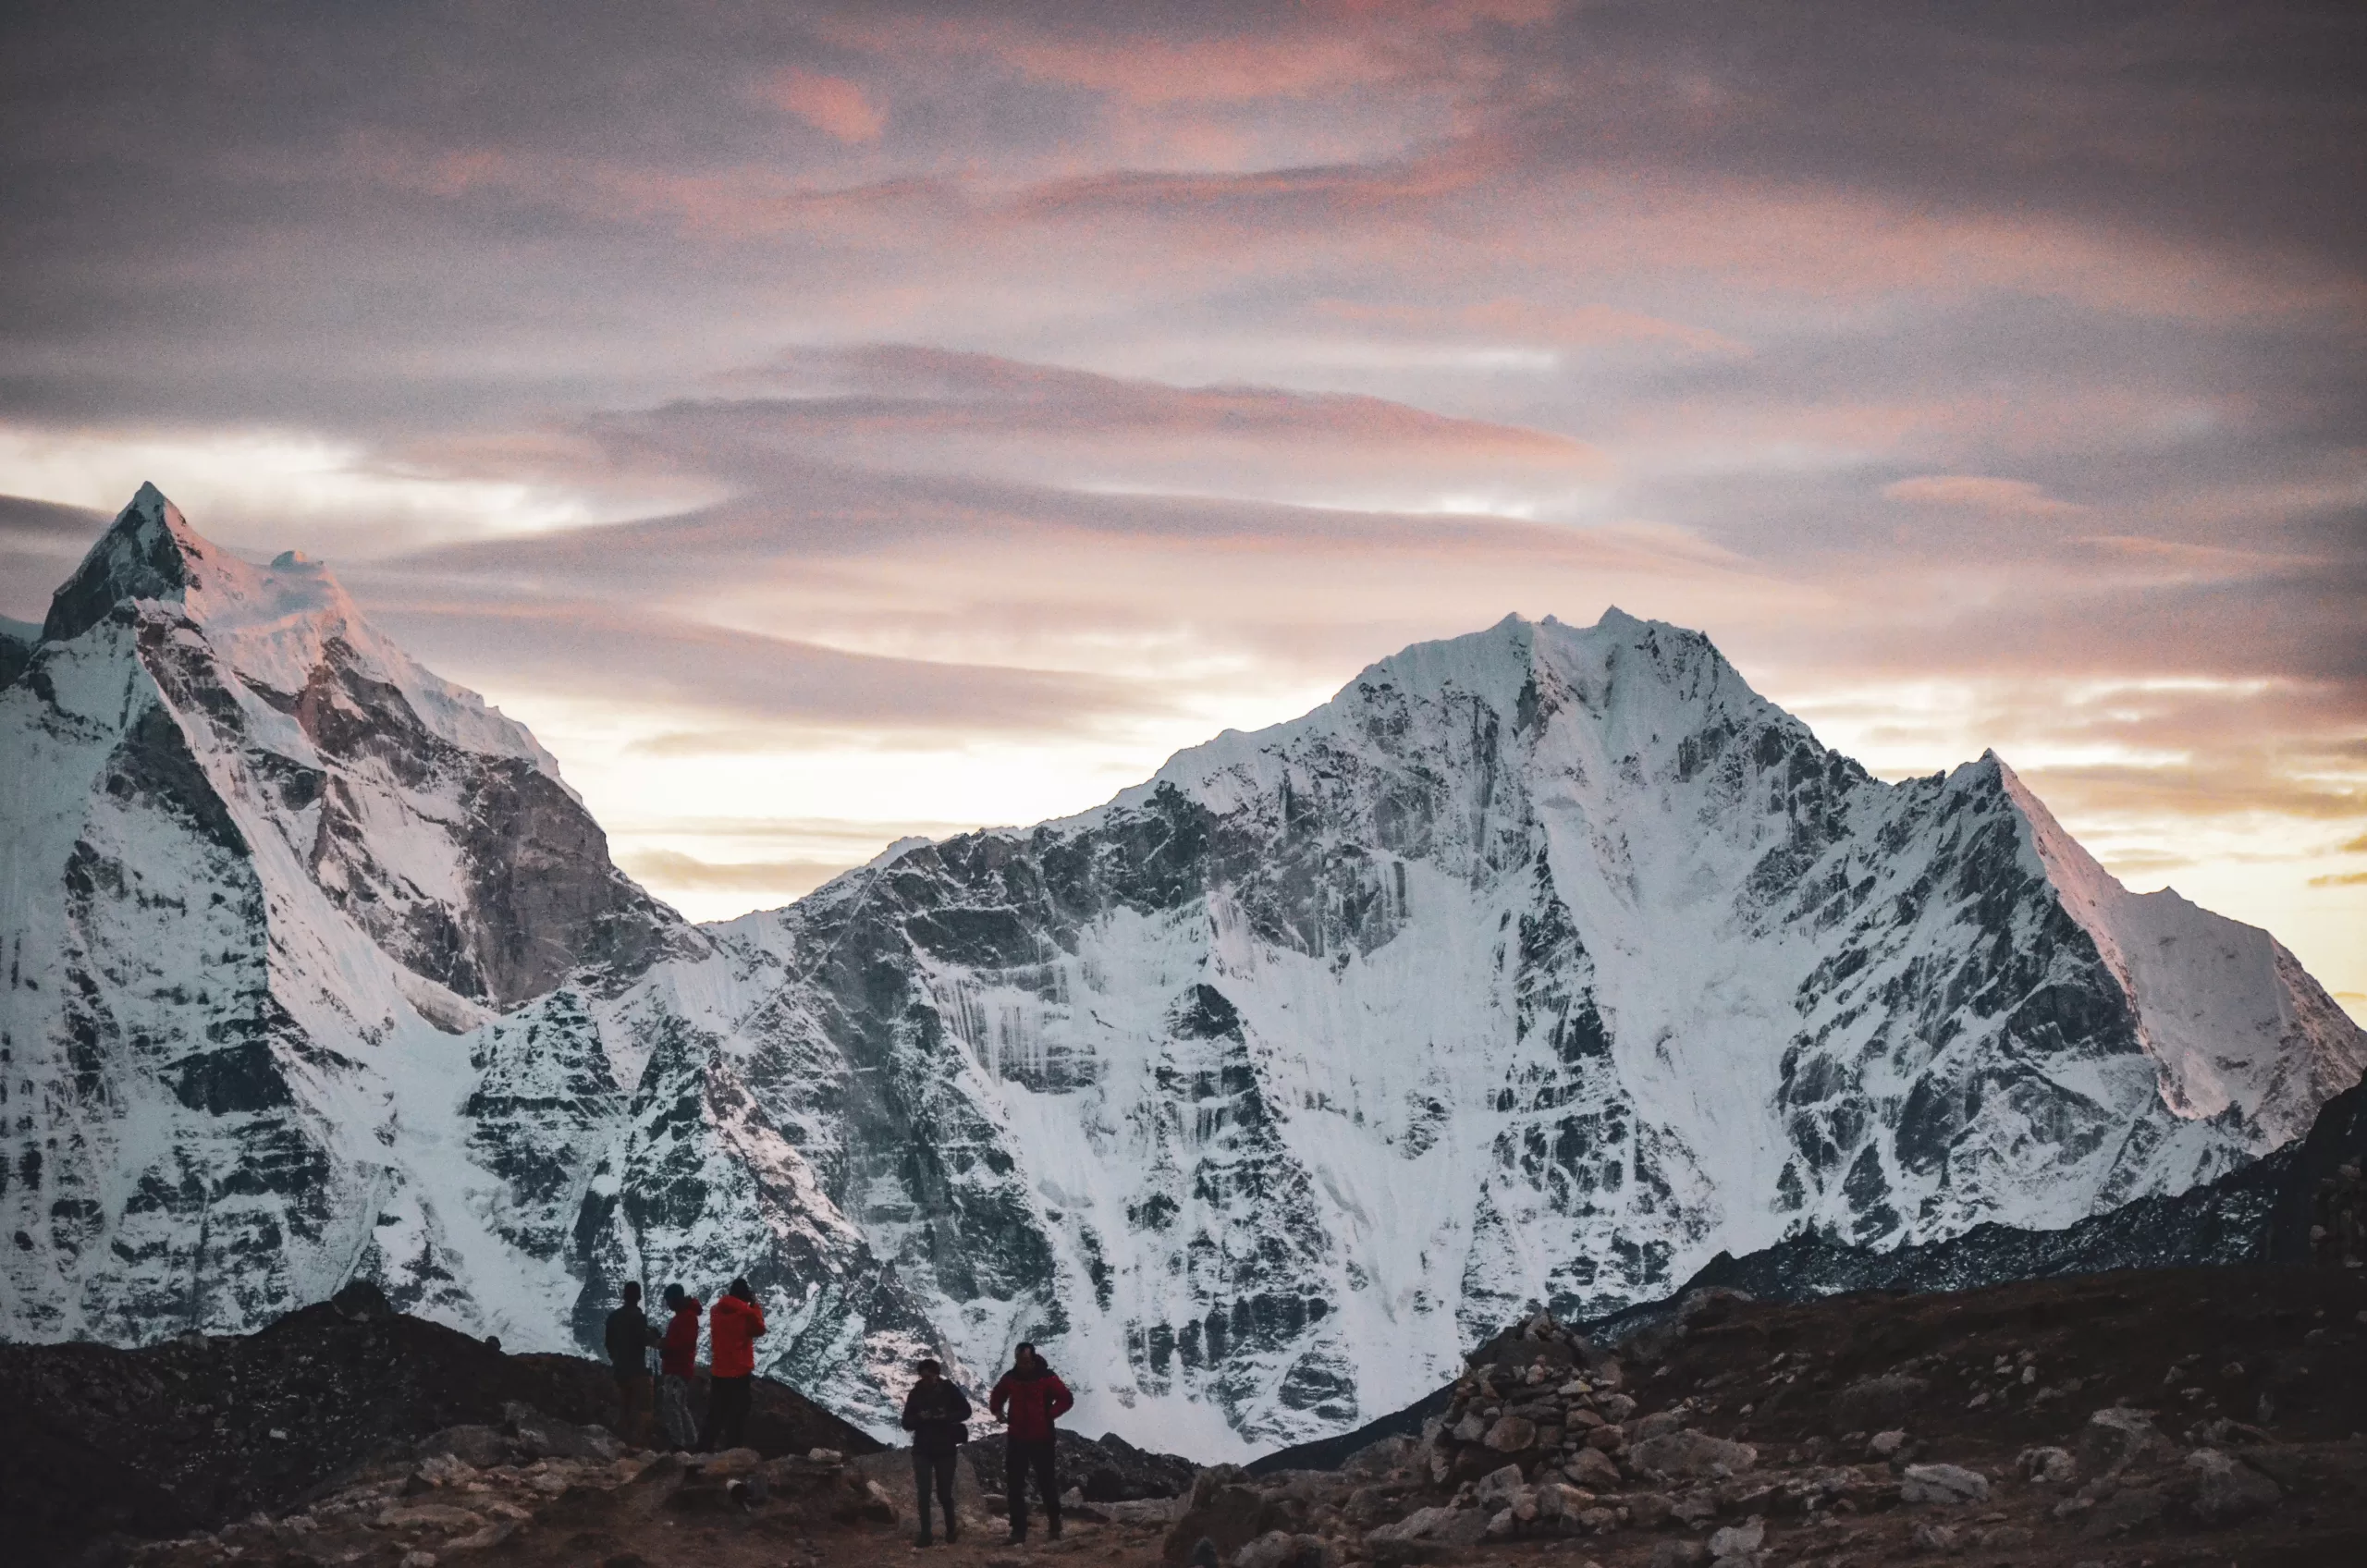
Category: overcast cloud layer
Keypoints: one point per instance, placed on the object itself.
(824, 424)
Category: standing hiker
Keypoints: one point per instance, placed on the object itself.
(629, 1338)
(734, 1324)
(678, 1355)
(1030, 1398)
(937, 1416)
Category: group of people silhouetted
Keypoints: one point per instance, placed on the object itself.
(734, 1324)
(1029, 1400)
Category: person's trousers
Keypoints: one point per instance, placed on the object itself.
(675, 1422)
(727, 1411)
(1020, 1458)
(632, 1403)
(935, 1472)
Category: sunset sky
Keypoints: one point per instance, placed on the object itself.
(824, 424)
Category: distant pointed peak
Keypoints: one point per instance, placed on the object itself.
(147, 553)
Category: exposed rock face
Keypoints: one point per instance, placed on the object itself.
(1535, 969)
(18, 640)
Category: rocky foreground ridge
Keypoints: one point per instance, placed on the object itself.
(2162, 1418)
(1533, 972)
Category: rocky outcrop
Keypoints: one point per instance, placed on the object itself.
(191, 1434)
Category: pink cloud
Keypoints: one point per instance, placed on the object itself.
(829, 103)
(1313, 51)
(1524, 319)
(2009, 497)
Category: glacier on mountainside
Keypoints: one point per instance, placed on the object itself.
(1537, 967)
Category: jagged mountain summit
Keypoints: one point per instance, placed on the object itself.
(1536, 968)
(259, 872)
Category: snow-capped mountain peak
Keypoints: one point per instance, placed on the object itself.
(281, 628)
(1535, 968)
(150, 552)
(261, 867)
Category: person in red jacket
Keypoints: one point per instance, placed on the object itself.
(1029, 1399)
(734, 1324)
(677, 1357)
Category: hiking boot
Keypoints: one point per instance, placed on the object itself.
(923, 1538)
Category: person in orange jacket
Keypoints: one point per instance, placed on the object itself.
(734, 1325)
(1030, 1398)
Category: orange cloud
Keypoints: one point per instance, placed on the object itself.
(829, 103)
(2010, 498)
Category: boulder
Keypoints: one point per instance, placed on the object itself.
(1223, 1508)
(1886, 1445)
(1678, 1554)
(1497, 1488)
(1946, 1484)
(1374, 1460)
(1435, 1526)
(2116, 1437)
(1557, 1501)
(1657, 1425)
(444, 1470)
(479, 1446)
(1691, 1452)
(1511, 1434)
(546, 1437)
(2047, 1466)
(1280, 1548)
(2227, 1489)
(1737, 1540)
(1593, 1470)
(1941, 1539)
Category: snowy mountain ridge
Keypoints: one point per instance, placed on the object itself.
(1538, 967)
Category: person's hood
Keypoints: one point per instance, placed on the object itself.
(1041, 1369)
(691, 1305)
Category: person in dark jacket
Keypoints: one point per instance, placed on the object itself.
(734, 1325)
(629, 1338)
(1029, 1399)
(937, 1416)
(677, 1357)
